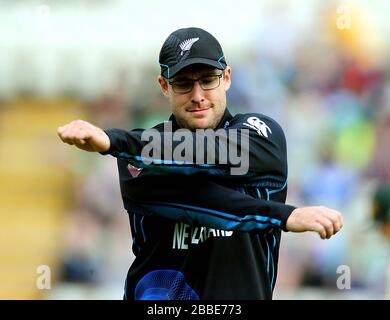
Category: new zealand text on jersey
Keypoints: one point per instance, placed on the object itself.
(185, 234)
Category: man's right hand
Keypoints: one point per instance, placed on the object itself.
(325, 221)
(84, 136)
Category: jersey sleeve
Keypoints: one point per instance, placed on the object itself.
(252, 145)
(198, 201)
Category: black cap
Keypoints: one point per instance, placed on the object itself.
(189, 46)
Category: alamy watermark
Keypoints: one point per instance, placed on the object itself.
(344, 17)
(201, 147)
(42, 16)
(344, 280)
(43, 281)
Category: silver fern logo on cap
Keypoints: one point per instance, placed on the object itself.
(187, 44)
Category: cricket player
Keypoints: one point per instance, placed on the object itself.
(205, 191)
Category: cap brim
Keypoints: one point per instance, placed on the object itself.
(171, 72)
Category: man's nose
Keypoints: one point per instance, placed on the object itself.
(197, 93)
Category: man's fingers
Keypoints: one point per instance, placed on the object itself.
(326, 222)
(340, 221)
(331, 226)
(73, 133)
(85, 136)
(67, 137)
(332, 221)
(80, 143)
(320, 229)
(337, 220)
(64, 136)
(60, 132)
(335, 215)
(338, 226)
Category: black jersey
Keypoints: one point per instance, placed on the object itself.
(198, 231)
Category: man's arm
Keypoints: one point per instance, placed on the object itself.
(208, 203)
(84, 136)
(323, 220)
(253, 145)
(240, 151)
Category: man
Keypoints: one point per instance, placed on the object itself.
(204, 225)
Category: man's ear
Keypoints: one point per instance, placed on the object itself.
(227, 78)
(163, 85)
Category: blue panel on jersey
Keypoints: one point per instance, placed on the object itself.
(164, 285)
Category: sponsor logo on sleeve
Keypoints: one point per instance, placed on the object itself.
(258, 125)
(134, 171)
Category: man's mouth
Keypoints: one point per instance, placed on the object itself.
(199, 112)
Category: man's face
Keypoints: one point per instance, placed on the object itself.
(199, 108)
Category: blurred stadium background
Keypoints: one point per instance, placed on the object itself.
(320, 68)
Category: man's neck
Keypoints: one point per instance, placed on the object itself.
(226, 117)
